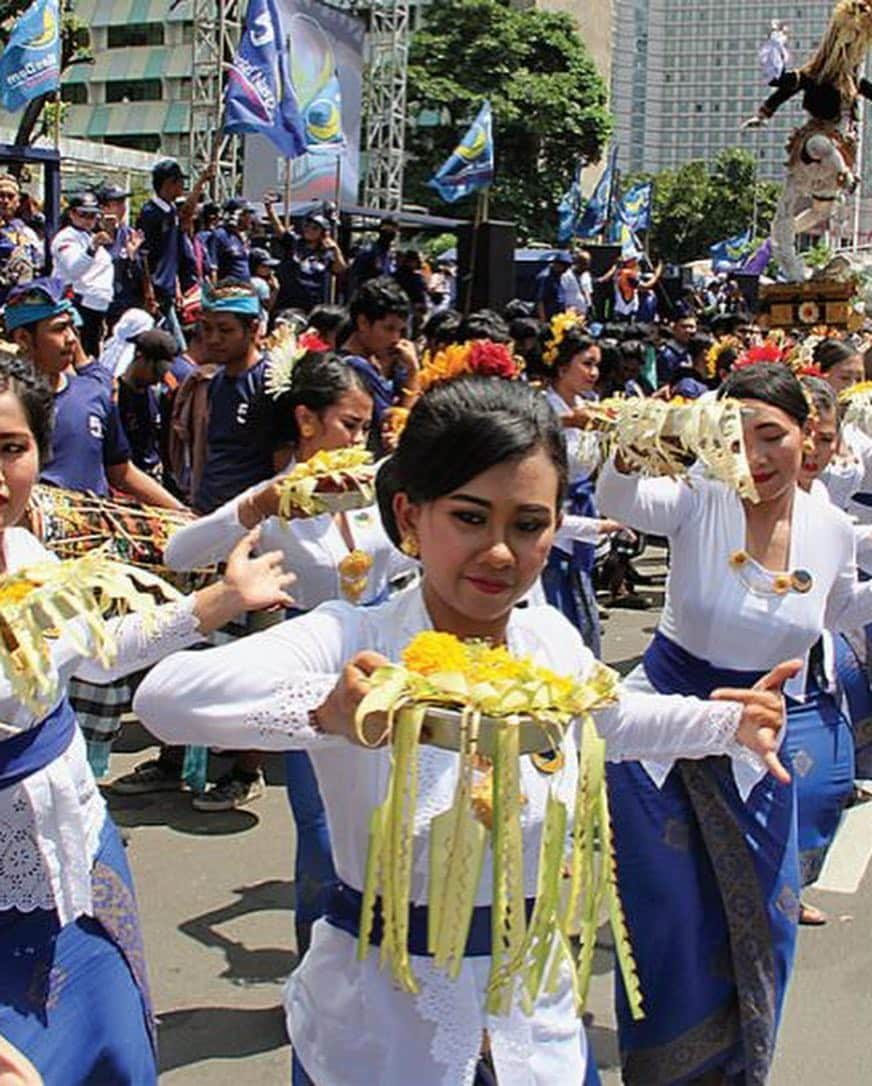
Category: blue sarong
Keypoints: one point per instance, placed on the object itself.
(820, 746)
(75, 999)
(568, 579)
(854, 681)
(710, 887)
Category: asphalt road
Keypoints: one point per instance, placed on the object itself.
(216, 896)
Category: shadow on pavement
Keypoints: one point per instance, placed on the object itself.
(201, 1033)
(173, 809)
(243, 965)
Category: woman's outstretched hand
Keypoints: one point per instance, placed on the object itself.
(336, 714)
(763, 715)
(258, 583)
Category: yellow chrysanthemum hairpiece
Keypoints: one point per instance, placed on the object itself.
(561, 324)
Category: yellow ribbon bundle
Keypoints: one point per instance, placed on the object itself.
(856, 403)
(658, 438)
(349, 476)
(41, 600)
(494, 691)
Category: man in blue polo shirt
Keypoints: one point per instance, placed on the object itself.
(162, 243)
(244, 444)
(138, 397)
(230, 241)
(89, 450)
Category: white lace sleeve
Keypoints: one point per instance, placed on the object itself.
(662, 727)
(286, 715)
(253, 693)
(142, 640)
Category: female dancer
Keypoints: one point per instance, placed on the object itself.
(70, 948)
(567, 579)
(346, 556)
(476, 487)
(706, 852)
(851, 650)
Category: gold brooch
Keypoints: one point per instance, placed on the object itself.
(549, 761)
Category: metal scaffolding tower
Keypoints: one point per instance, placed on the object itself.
(217, 30)
(384, 106)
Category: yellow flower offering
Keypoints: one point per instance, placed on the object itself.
(493, 698)
(71, 597)
(328, 482)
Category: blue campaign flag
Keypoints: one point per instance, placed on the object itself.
(31, 62)
(596, 213)
(470, 166)
(635, 205)
(569, 209)
(259, 96)
(730, 254)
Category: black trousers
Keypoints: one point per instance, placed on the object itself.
(93, 329)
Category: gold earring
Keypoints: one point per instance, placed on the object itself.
(307, 431)
(409, 546)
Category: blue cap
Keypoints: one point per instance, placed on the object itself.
(562, 257)
(38, 300)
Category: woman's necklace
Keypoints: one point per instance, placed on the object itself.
(766, 582)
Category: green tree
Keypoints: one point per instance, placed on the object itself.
(75, 49)
(698, 205)
(549, 105)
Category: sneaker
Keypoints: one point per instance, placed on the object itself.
(231, 791)
(152, 776)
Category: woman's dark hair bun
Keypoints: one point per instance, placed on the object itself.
(769, 382)
(319, 380)
(460, 428)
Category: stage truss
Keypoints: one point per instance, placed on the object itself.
(217, 30)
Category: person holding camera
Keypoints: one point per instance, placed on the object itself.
(132, 290)
(80, 251)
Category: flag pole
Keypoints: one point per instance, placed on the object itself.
(288, 162)
(480, 210)
(337, 194)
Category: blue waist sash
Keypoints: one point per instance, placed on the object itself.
(34, 749)
(673, 670)
(343, 912)
(862, 499)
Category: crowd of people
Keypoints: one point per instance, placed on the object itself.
(144, 367)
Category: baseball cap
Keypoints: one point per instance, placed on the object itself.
(166, 169)
(86, 202)
(111, 192)
(261, 256)
(236, 203)
(155, 344)
(561, 257)
(318, 220)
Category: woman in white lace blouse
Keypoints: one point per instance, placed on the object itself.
(73, 989)
(476, 487)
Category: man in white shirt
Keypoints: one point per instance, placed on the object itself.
(82, 259)
(577, 283)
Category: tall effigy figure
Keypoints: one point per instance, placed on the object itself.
(822, 153)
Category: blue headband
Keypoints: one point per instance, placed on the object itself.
(243, 304)
(16, 316)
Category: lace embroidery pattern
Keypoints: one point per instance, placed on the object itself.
(23, 881)
(171, 627)
(287, 712)
(452, 1008)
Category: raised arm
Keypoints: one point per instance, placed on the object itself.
(256, 693)
(658, 506)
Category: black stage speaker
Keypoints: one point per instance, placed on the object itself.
(749, 285)
(490, 270)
